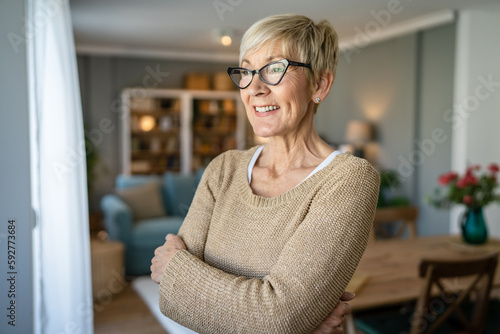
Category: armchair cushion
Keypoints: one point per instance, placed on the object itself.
(117, 217)
(144, 200)
(150, 233)
(142, 235)
(179, 191)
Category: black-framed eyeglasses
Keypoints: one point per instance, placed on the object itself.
(271, 73)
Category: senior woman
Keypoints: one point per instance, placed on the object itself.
(274, 233)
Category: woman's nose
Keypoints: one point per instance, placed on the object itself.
(257, 86)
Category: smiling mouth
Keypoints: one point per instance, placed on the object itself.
(266, 108)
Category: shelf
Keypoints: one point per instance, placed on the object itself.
(214, 132)
(211, 153)
(189, 129)
(157, 171)
(156, 112)
(223, 115)
(156, 134)
(150, 155)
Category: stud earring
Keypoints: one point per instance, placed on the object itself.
(318, 100)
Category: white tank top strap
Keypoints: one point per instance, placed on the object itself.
(252, 162)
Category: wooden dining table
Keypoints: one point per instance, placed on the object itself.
(388, 271)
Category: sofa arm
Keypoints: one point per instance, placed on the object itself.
(117, 218)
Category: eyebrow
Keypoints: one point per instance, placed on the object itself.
(268, 60)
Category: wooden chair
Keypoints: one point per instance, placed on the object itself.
(404, 216)
(443, 294)
(481, 270)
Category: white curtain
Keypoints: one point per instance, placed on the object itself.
(62, 276)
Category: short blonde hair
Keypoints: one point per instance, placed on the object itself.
(315, 44)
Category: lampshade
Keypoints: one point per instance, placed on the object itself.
(358, 132)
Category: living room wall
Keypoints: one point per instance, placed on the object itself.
(402, 86)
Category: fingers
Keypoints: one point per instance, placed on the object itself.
(174, 241)
(158, 251)
(341, 310)
(347, 309)
(172, 236)
(333, 323)
(163, 255)
(347, 296)
(156, 275)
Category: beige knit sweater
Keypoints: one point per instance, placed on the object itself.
(268, 265)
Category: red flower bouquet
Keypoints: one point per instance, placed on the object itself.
(473, 189)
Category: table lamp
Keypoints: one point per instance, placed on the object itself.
(358, 133)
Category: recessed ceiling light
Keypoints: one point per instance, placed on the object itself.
(223, 36)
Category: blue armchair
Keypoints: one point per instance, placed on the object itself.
(142, 237)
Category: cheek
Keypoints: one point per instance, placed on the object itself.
(243, 96)
(298, 91)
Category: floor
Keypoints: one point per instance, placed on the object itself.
(125, 313)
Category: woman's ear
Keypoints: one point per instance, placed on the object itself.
(322, 87)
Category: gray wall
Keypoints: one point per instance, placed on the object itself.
(378, 85)
(101, 82)
(15, 179)
(403, 86)
(436, 97)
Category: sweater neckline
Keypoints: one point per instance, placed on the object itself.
(257, 200)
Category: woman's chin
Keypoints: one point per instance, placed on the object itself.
(263, 133)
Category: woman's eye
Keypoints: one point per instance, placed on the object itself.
(276, 70)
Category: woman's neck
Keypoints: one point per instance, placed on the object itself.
(282, 154)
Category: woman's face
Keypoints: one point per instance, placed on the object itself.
(287, 103)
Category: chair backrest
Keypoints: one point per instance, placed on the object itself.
(404, 216)
(442, 276)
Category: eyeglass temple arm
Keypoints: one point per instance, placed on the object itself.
(294, 63)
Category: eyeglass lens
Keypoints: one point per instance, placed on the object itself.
(271, 74)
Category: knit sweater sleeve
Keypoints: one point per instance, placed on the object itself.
(302, 287)
(195, 226)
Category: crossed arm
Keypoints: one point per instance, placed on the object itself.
(163, 254)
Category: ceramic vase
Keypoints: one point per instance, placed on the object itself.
(474, 230)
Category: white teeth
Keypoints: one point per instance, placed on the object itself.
(266, 108)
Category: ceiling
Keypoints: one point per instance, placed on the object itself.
(184, 27)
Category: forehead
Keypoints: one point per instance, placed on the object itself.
(266, 53)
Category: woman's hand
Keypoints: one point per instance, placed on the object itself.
(333, 323)
(164, 254)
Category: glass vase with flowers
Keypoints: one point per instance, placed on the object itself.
(475, 190)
